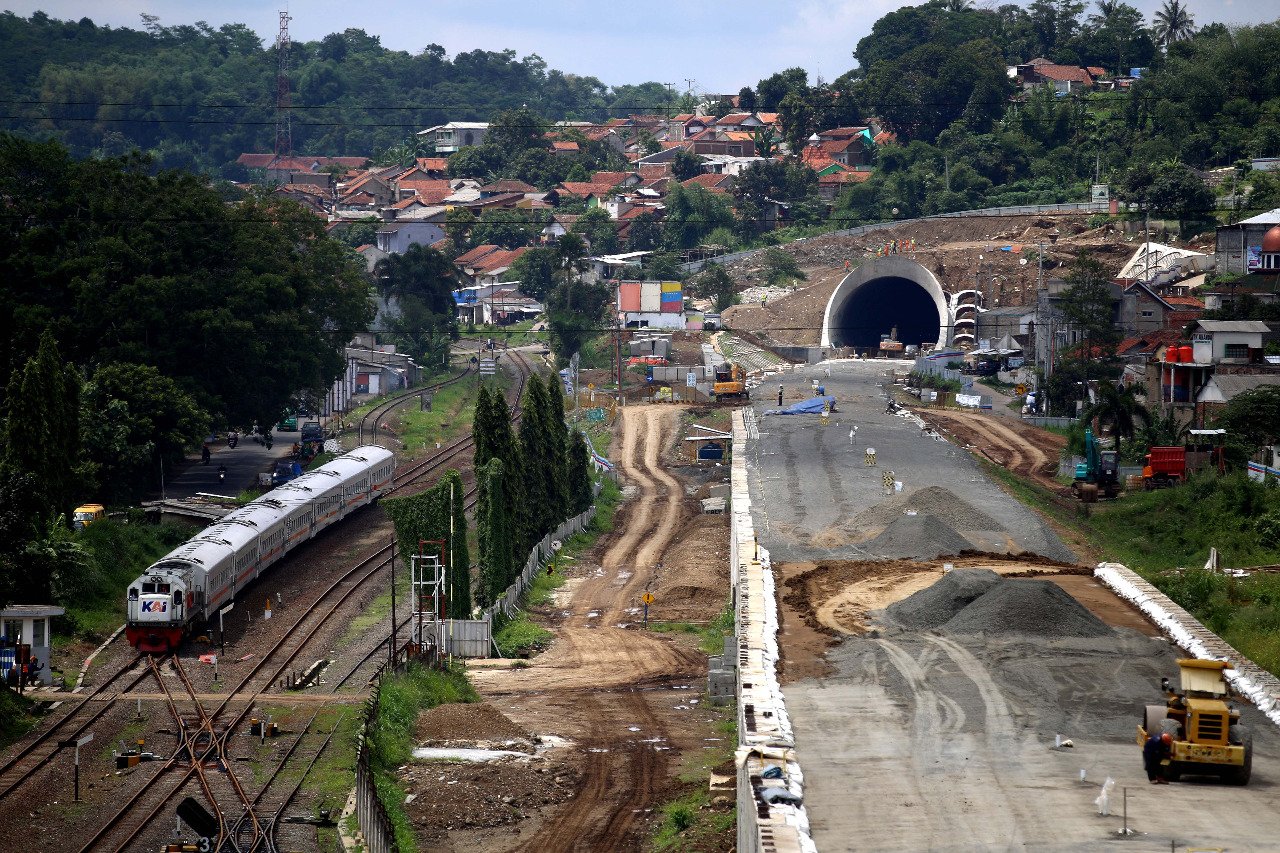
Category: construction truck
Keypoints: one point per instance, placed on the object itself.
(1099, 473)
(1163, 467)
(730, 381)
(1208, 739)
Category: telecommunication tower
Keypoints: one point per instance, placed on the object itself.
(284, 126)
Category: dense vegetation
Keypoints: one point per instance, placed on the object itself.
(935, 74)
(1156, 533)
(198, 97)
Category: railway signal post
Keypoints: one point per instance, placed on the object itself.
(82, 741)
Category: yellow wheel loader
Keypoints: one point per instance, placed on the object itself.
(1208, 739)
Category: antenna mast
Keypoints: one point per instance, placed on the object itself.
(284, 124)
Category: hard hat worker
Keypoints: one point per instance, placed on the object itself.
(1154, 751)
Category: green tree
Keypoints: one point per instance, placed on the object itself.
(536, 271)
(715, 283)
(559, 431)
(747, 99)
(581, 493)
(1172, 22)
(458, 224)
(685, 165)
(496, 528)
(460, 599)
(509, 229)
(1252, 418)
(513, 132)
(798, 117)
(771, 90)
(693, 213)
(19, 514)
(538, 474)
(780, 267)
(599, 230)
(1088, 304)
(42, 429)
(1119, 408)
(645, 233)
(136, 422)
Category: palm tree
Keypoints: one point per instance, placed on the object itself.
(1118, 407)
(1107, 10)
(1173, 22)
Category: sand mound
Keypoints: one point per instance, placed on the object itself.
(941, 503)
(472, 722)
(938, 603)
(920, 536)
(1019, 606)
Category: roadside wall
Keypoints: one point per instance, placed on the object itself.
(771, 814)
(1246, 677)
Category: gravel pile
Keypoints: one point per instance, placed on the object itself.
(1038, 607)
(937, 604)
(921, 537)
(937, 501)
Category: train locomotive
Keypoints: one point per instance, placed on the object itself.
(204, 574)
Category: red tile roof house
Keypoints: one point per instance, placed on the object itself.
(279, 168)
(486, 264)
(712, 182)
(1065, 79)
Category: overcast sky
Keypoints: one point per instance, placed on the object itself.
(720, 45)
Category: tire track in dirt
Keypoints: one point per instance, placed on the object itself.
(614, 679)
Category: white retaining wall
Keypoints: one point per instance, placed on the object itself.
(1246, 677)
(764, 729)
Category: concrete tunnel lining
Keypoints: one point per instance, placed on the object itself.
(884, 271)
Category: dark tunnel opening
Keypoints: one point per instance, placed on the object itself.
(876, 307)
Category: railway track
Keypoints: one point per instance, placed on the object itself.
(157, 792)
(436, 463)
(369, 423)
(203, 738)
(20, 768)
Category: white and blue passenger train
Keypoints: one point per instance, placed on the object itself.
(196, 579)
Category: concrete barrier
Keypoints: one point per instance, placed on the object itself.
(770, 795)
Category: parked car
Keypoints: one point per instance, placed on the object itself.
(289, 424)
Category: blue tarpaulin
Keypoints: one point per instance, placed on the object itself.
(811, 406)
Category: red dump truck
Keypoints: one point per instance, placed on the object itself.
(1164, 467)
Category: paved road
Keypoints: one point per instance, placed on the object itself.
(918, 741)
(809, 482)
(243, 464)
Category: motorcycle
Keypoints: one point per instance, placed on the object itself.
(222, 473)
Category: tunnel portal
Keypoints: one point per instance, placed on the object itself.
(883, 294)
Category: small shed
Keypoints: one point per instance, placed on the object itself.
(27, 624)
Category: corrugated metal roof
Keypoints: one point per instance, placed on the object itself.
(1234, 326)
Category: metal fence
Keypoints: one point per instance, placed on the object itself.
(371, 816)
(1015, 210)
(1056, 423)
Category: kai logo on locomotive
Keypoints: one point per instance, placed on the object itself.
(155, 606)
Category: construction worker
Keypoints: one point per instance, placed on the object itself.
(779, 393)
(1154, 752)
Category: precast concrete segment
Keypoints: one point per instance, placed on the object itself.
(881, 269)
(764, 728)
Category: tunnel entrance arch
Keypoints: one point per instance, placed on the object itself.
(882, 294)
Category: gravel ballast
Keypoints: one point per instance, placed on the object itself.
(920, 536)
(1026, 606)
(937, 501)
(937, 604)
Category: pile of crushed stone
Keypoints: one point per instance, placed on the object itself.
(937, 604)
(1026, 606)
(937, 501)
(923, 537)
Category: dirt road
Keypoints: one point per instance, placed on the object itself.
(605, 684)
(1025, 450)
